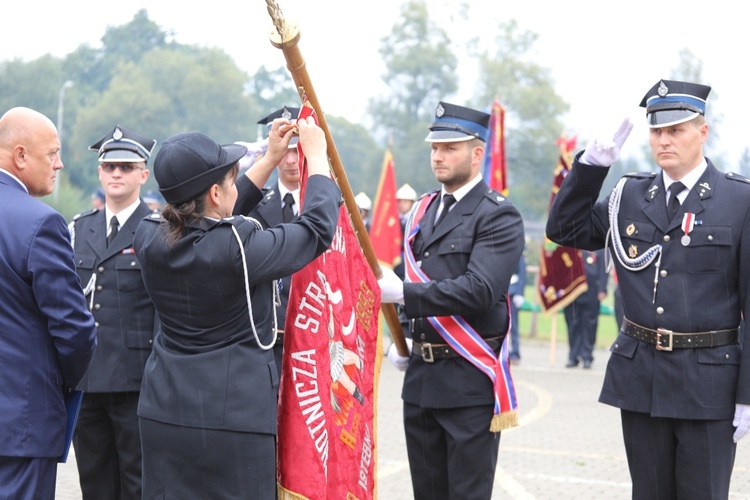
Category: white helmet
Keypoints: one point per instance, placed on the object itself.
(406, 192)
(363, 201)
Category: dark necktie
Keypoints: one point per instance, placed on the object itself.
(674, 204)
(448, 200)
(287, 211)
(113, 225)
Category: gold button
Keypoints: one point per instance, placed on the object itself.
(666, 237)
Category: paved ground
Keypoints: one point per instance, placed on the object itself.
(568, 446)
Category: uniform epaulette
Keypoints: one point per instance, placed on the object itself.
(737, 177)
(494, 196)
(85, 214)
(641, 175)
(155, 216)
(429, 193)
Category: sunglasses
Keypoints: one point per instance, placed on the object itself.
(125, 168)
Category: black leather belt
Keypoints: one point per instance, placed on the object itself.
(666, 340)
(430, 352)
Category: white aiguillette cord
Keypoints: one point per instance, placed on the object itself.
(639, 263)
(274, 285)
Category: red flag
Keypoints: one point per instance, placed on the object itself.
(330, 368)
(385, 228)
(495, 169)
(562, 277)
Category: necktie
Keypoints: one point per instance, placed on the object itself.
(674, 204)
(113, 225)
(287, 211)
(448, 200)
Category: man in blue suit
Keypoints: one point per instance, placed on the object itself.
(47, 337)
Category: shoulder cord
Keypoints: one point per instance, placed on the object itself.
(274, 286)
(90, 287)
(639, 263)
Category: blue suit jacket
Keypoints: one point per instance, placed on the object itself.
(47, 334)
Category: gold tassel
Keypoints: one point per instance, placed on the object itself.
(504, 421)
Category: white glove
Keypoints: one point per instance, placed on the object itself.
(518, 301)
(391, 287)
(254, 151)
(400, 362)
(741, 420)
(604, 153)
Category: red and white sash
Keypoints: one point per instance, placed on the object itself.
(465, 340)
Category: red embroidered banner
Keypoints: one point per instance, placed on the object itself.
(385, 228)
(562, 277)
(495, 169)
(330, 368)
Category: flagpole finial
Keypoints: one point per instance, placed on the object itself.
(283, 32)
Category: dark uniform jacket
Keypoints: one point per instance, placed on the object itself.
(470, 257)
(268, 213)
(207, 370)
(702, 286)
(124, 314)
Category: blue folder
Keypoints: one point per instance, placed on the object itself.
(72, 407)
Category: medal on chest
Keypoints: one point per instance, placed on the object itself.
(688, 222)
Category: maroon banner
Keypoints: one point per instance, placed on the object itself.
(562, 277)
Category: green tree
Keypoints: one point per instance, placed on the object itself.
(533, 114)
(420, 71)
(273, 89)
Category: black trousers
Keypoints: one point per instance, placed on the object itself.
(672, 459)
(193, 463)
(452, 453)
(108, 446)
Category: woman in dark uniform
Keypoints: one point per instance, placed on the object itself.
(208, 402)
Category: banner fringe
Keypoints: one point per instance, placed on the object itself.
(504, 421)
(285, 494)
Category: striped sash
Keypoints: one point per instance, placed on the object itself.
(464, 339)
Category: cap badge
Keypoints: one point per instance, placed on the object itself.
(440, 111)
(117, 135)
(662, 90)
(286, 114)
(630, 230)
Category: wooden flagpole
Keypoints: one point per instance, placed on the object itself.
(285, 36)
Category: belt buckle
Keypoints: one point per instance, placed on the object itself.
(427, 352)
(659, 333)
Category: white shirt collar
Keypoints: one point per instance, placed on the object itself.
(689, 181)
(16, 179)
(463, 190)
(123, 215)
(283, 191)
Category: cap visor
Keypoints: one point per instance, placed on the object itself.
(669, 117)
(447, 136)
(120, 156)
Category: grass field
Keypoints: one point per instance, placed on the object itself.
(539, 325)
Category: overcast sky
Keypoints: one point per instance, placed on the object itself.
(604, 56)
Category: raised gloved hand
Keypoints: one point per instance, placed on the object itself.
(400, 362)
(518, 300)
(741, 421)
(603, 152)
(254, 151)
(391, 287)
